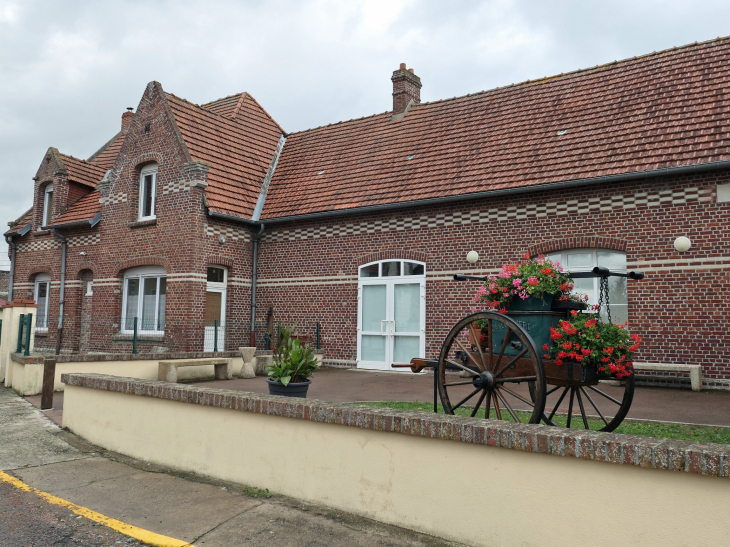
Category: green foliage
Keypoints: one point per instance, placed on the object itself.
(256, 492)
(293, 361)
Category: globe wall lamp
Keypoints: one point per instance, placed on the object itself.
(472, 257)
(682, 244)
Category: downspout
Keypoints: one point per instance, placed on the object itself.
(9, 239)
(62, 295)
(254, 268)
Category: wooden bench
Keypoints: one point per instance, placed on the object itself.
(695, 371)
(167, 371)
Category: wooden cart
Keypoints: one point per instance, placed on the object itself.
(505, 370)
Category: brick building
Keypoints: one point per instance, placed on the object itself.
(191, 214)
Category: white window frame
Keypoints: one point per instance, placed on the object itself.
(222, 288)
(42, 279)
(142, 273)
(150, 170)
(47, 205)
(562, 257)
(89, 288)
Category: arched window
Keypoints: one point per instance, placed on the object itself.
(145, 291)
(584, 260)
(147, 191)
(391, 313)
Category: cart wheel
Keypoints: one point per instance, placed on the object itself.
(599, 411)
(508, 357)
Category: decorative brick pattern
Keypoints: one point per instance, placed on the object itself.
(667, 454)
(114, 199)
(87, 239)
(508, 214)
(39, 245)
(230, 233)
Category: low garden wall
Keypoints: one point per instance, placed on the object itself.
(27, 372)
(481, 482)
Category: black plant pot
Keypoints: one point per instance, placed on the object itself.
(298, 389)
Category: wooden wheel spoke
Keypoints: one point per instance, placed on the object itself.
(594, 404)
(468, 353)
(516, 379)
(606, 395)
(512, 362)
(496, 407)
(465, 382)
(582, 409)
(555, 409)
(464, 367)
(553, 390)
(490, 342)
(520, 397)
(465, 399)
(507, 406)
(478, 343)
(570, 407)
(479, 403)
(488, 408)
(504, 347)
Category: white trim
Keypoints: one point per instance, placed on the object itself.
(47, 205)
(142, 273)
(216, 287)
(42, 279)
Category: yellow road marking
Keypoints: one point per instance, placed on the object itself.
(139, 534)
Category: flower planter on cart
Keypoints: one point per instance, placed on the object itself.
(514, 357)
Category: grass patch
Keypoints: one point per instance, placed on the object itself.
(695, 433)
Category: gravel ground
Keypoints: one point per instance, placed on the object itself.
(28, 521)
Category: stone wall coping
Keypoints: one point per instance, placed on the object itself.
(29, 360)
(91, 357)
(672, 455)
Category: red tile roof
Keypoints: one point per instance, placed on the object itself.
(82, 171)
(107, 154)
(238, 151)
(660, 110)
(84, 209)
(244, 108)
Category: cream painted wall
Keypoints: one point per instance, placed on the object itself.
(9, 339)
(475, 494)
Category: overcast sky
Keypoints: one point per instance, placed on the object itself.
(68, 69)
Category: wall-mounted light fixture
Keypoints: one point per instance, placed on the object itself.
(221, 239)
(472, 257)
(682, 244)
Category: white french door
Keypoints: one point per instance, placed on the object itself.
(391, 320)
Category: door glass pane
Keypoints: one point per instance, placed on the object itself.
(411, 268)
(132, 302)
(373, 307)
(580, 260)
(216, 275)
(405, 348)
(612, 261)
(391, 269)
(585, 286)
(212, 308)
(42, 301)
(149, 301)
(163, 299)
(407, 307)
(369, 271)
(373, 348)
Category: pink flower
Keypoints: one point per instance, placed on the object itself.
(524, 295)
(517, 282)
(533, 280)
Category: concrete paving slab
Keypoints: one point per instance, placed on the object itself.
(28, 438)
(164, 504)
(269, 524)
(74, 474)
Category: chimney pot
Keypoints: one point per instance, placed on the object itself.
(127, 119)
(406, 88)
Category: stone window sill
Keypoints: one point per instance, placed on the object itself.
(41, 333)
(143, 223)
(42, 232)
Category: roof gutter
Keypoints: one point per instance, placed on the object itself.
(12, 245)
(62, 295)
(79, 223)
(637, 175)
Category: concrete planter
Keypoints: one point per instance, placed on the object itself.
(247, 354)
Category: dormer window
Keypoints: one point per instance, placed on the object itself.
(147, 192)
(47, 205)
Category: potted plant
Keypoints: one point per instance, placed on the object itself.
(600, 348)
(294, 363)
(533, 284)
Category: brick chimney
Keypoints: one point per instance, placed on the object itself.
(406, 87)
(127, 118)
